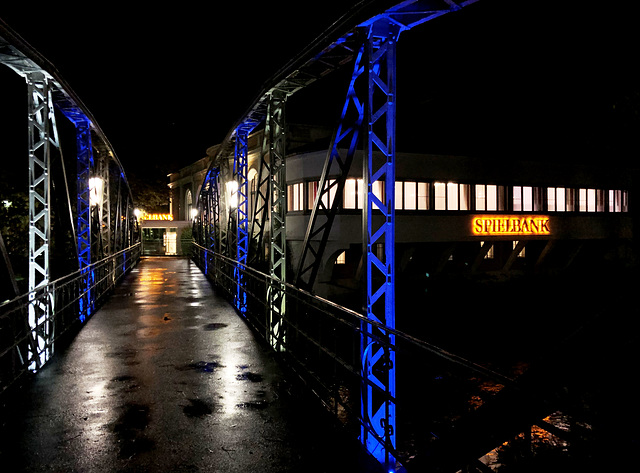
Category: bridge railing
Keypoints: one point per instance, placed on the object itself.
(66, 296)
(321, 343)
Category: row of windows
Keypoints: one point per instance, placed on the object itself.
(414, 195)
(490, 254)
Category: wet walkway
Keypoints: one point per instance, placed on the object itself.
(167, 378)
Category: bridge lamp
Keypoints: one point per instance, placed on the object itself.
(95, 191)
(232, 194)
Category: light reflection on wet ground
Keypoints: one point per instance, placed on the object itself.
(166, 377)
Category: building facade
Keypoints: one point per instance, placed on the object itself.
(456, 216)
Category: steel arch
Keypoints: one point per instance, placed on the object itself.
(368, 33)
(115, 228)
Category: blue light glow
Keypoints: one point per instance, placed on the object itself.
(83, 229)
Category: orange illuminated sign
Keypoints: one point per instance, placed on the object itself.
(511, 225)
(158, 217)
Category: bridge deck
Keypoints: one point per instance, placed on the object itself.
(166, 377)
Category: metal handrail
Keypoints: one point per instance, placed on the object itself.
(17, 341)
(324, 350)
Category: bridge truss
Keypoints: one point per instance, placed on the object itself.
(365, 37)
(102, 225)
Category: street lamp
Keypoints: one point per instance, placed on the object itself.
(95, 191)
(232, 193)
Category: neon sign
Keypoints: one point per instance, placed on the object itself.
(511, 225)
(158, 217)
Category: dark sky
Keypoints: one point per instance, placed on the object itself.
(166, 82)
(500, 78)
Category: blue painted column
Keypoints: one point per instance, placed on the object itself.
(240, 170)
(378, 344)
(208, 214)
(83, 210)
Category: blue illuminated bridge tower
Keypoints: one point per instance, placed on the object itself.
(366, 39)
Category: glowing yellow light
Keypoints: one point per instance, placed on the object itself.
(95, 191)
(511, 225)
(168, 217)
(232, 194)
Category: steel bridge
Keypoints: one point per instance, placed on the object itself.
(352, 362)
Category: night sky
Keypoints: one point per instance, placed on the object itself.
(537, 80)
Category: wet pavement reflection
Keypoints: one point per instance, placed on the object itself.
(167, 377)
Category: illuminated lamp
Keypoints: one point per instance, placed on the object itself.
(232, 194)
(194, 213)
(95, 191)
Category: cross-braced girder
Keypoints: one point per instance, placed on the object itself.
(378, 344)
(42, 137)
(278, 246)
(240, 164)
(330, 190)
(370, 112)
(260, 210)
(209, 214)
(83, 210)
(46, 90)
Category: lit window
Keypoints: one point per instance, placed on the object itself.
(188, 204)
(522, 198)
(591, 200)
(570, 199)
(440, 195)
(399, 199)
(492, 198)
(423, 196)
(295, 200)
(495, 198)
(551, 199)
(410, 196)
(452, 196)
(556, 199)
(312, 193)
(600, 200)
(465, 196)
(582, 200)
(350, 194)
(378, 190)
(521, 254)
(489, 254)
(327, 199)
(354, 193)
(449, 196)
(342, 258)
(561, 199)
(612, 201)
(481, 197)
(618, 201)
(517, 198)
(252, 177)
